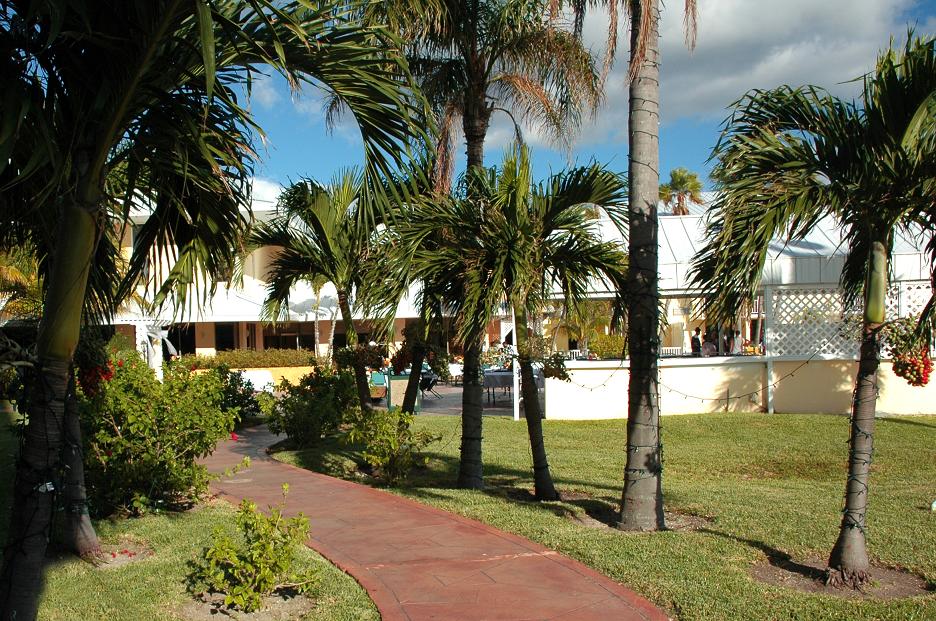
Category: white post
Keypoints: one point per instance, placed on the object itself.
(768, 350)
(516, 370)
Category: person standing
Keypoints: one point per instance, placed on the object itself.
(696, 342)
(736, 345)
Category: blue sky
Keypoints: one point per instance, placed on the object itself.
(742, 44)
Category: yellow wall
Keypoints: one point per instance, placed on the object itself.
(598, 389)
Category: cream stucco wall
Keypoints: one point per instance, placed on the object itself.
(598, 389)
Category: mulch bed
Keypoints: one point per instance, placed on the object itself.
(808, 576)
(282, 607)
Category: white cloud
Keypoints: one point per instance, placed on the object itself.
(265, 192)
(745, 44)
(264, 91)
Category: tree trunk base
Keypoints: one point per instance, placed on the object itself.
(841, 578)
(466, 482)
(547, 495)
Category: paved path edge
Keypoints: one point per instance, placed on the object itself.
(389, 607)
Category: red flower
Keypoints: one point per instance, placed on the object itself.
(120, 363)
(234, 436)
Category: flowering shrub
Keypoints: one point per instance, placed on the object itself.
(315, 406)
(142, 437)
(237, 393)
(258, 565)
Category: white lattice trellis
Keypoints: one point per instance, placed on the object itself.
(808, 321)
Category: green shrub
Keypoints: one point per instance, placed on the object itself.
(258, 565)
(606, 346)
(370, 356)
(251, 359)
(142, 437)
(389, 443)
(237, 394)
(315, 406)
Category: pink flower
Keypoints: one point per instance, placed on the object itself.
(234, 436)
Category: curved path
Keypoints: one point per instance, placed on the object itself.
(417, 562)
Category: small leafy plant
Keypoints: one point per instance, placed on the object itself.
(258, 565)
(389, 443)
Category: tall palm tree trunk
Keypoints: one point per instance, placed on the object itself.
(317, 330)
(542, 479)
(360, 374)
(848, 563)
(642, 503)
(38, 472)
(470, 465)
(470, 469)
(78, 532)
(419, 355)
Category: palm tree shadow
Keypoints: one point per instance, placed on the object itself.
(906, 421)
(775, 557)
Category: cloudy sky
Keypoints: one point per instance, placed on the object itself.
(741, 45)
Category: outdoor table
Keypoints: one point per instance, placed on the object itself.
(497, 379)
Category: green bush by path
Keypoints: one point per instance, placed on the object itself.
(760, 484)
(315, 406)
(251, 359)
(142, 437)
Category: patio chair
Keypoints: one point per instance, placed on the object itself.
(427, 384)
(378, 386)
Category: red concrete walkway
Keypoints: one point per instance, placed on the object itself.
(417, 562)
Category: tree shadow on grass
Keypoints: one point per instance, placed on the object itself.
(776, 557)
(906, 421)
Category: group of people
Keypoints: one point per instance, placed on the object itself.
(733, 344)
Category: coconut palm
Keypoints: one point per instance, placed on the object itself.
(642, 499)
(683, 187)
(542, 238)
(321, 233)
(137, 104)
(790, 157)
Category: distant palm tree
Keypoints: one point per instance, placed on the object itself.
(790, 157)
(137, 103)
(684, 186)
(321, 234)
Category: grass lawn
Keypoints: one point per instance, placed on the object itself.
(764, 484)
(154, 588)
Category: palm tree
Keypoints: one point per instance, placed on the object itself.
(20, 286)
(542, 238)
(790, 157)
(472, 59)
(323, 233)
(136, 104)
(642, 498)
(684, 186)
